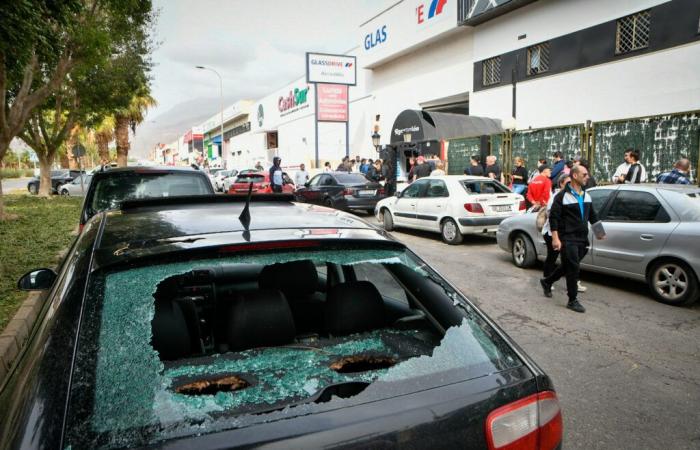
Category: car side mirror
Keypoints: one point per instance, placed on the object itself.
(398, 194)
(37, 280)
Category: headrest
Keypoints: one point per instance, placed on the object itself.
(171, 338)
(353, 307)
(292, 278)
(259, 319)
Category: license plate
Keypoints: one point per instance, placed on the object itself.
(367, 193)
(501, 208)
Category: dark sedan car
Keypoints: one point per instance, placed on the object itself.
(58, 177)
(110, 187)
(341, 190)
(303, 327)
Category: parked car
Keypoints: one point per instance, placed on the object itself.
(341, 190)
(162, 329)
(652, 235)
(452, 205)
(77, 187)
(221, 177)
(110, 187)
(261, 183)
(58, 177)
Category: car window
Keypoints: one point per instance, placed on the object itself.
(636, 206)
(600, 198)
(286, 179)
(484, 187)
(250, 178)
(436, 188)
(327, 180)
(382, 279)
(414, 189)
(315, 180)
(350, 178)
(110, 191)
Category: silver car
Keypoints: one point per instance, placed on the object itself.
(73, 188)
(653, 235)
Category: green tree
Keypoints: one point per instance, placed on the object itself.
(129, 118)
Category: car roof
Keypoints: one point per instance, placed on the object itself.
(680, 188)
(146, 169)
(458, 178)
(155, 229)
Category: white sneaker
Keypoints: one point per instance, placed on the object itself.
(581, 288)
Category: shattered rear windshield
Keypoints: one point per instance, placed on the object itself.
(186, 348)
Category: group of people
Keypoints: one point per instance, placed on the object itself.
(420, 166)
(374, 170)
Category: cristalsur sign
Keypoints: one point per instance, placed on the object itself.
(335, 69)
(294, 101)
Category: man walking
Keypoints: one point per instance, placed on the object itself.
(679, 174)
(572, 211)
(276, 180)
(302, 176)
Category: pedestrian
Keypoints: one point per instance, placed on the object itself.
(539, 191)
(276, 180)
(302, 176)
(412, 166)
(344, 165)
(327, 167)
(552, 255)
(572, 210)
(439, 169)
(678, 175)
(475, 168)
(421, 169)
(623, 169)
(584, 162)
(536, 171)
(634, 172)
(558, 165)
(351, 166)
(364, 166)
(259, 167)
(519, 176)
(358, 160)
(493, 170)
(374, 171)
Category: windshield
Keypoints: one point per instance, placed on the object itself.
(182, 349)
(59, 173)
(111, 191)
(484, 187)
(350, 178)
(250, 178)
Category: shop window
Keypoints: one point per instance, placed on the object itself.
(538, 58)
(633, 32)
(492, 71)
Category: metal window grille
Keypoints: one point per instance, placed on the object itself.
(492, 71)
(538, 58)
(633, 32)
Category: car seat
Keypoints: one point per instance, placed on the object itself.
(171, 338)
(354, 307)
(259, 318)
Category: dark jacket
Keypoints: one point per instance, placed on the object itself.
(565, 215)
(372, 173)
(557, 168)
(421, 170)
(477, 171)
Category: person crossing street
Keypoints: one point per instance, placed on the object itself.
(572, 210)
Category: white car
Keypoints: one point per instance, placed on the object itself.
(73, 188)
(452, 205)
(219, 179)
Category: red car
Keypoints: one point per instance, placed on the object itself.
(261, 183)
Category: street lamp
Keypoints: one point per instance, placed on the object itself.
(221, 105)
(375, 140)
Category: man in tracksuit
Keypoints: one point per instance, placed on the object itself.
(572, 210)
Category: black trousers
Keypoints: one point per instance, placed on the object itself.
(571, 255)
(552, 255)
(276, 188)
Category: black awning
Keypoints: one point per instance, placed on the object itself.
(436, 126)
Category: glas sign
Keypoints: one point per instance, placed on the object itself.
(376, 38)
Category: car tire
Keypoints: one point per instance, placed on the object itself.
(34, 189)
(329, 203)
(64, 192)
(665, 277)
(523, 251)
(387, 220)
(450, 232)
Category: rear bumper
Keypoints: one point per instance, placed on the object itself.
(481, 221)
(359, 203)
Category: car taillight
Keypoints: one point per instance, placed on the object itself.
(531, 423)
(348, 191)
(380, 191)
(523, 206)
(474, 207)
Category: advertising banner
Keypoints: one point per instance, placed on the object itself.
(332, 102)
(335, 69)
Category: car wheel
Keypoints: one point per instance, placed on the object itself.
(65, 192)
(34, 189)
(329, 202)
(450, 232)
(387, 220)
(673, 282)
(523, 251)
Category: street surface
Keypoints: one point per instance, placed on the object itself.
(11, 184)
(627, 372)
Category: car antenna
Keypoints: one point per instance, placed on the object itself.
(245, 215)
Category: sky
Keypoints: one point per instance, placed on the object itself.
(256, 46)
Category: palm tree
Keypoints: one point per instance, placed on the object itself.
(130, 118)
(104, 134)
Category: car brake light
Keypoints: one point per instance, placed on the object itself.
(532, 423)
(474, 207)
(523, 206)
(380, 191)
(348, 191)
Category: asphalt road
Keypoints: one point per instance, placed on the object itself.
(11, 184)
(627, 372)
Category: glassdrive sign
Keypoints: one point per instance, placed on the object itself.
(294, 101)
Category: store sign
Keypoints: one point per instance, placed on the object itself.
(292, 102)
(332, 103)
(429, 10)
(376, 38)
(335, 69)
(402, 131)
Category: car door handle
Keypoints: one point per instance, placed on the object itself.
(411, 204)
(647, 237)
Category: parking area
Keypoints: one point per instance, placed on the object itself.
(627, 372)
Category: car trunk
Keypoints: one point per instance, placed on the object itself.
(364, 191)
(242, 184)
